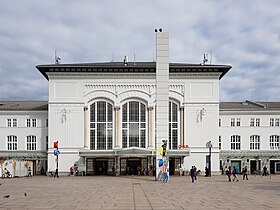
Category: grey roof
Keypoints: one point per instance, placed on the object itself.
(224, 106)
(23, 105)
(249, 105)
(131, 67)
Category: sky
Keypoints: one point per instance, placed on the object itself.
(243, 34)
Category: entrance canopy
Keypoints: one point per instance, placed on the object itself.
(131, 152)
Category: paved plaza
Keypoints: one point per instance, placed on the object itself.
(133, 192)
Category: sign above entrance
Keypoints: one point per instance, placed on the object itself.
(182, 146)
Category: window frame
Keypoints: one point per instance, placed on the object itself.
(139, 122)
(31, 143)
(101, 122)
(12, 143)
(274, 142)
(235, 142)
(255, 142)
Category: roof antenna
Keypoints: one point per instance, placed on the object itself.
(56, 58)
(113, 57)
(134, 58)
(205, 58)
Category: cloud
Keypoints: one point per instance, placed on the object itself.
(244, 34)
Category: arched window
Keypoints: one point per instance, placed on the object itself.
(12, 142)
(31, 142)
(173, 125)
(101, 126)
(254, 142)
(134, 124)
(235, 142)
(274, 142)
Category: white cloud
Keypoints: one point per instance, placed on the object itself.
(244, 34)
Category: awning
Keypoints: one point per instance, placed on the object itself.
(132, 152)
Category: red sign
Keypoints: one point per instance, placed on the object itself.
(55, 144)
(183, 146)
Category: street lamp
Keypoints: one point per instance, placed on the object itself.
(209, 145)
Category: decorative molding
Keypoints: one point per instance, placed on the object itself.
(194, 75)
(87, 76)
(120, 92)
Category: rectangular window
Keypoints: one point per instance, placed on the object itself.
(258, 122)
(255, 122)
(220, 142)
(235, 142)
(238, 122)
(232, 122)
(271, 122)
(274, 122)
(31, 122)
(31, 143)
(277, 120)
(11, 122)
(28, 122)
(220, 122)
(252, 122)
(47, 122)
(254, 142)
(12, 142)
(34, 123)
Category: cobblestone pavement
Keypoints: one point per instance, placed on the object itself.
(135, 192)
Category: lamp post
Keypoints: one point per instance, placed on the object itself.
(209, 145)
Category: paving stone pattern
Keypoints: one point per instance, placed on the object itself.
(133, 192)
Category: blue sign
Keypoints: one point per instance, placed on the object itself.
(56, 152)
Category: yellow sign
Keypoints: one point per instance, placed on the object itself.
(15, 164)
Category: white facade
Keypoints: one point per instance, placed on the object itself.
(256, 126)
(113, 116)
(24, 136)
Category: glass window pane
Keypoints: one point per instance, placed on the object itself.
(133, 135)
(143, 139)
(110, 139)
(92, 112)
(174, 112)
(124, 138)
(133, 111)
(101, 136)
(110, 113)
(143, 113)
(124, 113)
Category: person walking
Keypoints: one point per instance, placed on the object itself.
(228, 173)
(245, 173)
(56, 173)
(264, 171)
(29, 172)
(234, 173)
(113, 170)
(192, 174)
(71, 171)
(194, 168)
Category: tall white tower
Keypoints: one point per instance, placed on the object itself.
(162, 91)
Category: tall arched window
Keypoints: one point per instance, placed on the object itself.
(274, 142)
(235, 142)
(173, 125)
(134, 124)
(101, 126)
(254, 142)
(12, 142)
